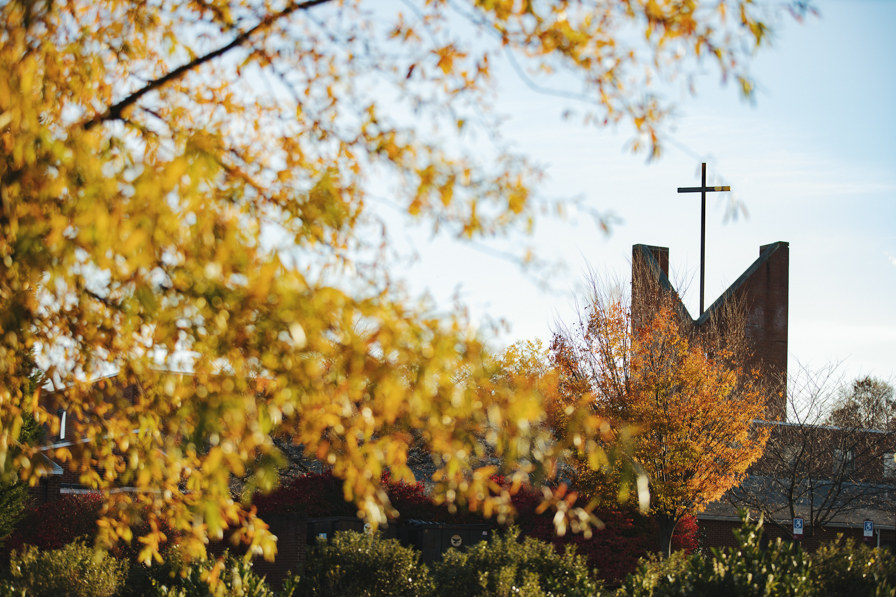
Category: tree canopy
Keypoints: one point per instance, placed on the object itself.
(866, 403)
(682, 389)
(186, 205)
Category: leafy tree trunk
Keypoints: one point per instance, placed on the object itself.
(667, 524)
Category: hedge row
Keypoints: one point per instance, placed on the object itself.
(76, 570)
(355, 565)
(350, 564)
(365, 565)
(782, 569)
(614, 551)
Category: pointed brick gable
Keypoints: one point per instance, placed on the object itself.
(763, 288)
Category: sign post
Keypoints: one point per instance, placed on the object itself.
(798, 528)
(868, 525)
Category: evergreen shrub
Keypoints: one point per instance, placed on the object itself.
(506, 566)
(177, 578)
(781, 570)
(74, 570)
(364, 565)
(844, 569)
(14, 496)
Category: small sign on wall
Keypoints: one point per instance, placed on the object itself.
(797, 528)
(868, 527)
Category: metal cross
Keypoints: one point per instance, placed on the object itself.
(702, 189)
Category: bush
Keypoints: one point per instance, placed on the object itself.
(74, 570)
(505, 566)
(142, 579)
(313, 495)
(781, 570)
(364, 565)
(177, 578)
(73, 518)
(844, 569)
(316, 495)
(654, 573)
(58, 523)
(13, 507)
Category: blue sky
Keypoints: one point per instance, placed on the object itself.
(812, 159)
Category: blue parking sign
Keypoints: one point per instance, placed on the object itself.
(869, 528)
(797, 528)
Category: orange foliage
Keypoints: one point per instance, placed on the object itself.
(696, 412)
(691, 405)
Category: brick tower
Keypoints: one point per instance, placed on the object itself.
(762, 290)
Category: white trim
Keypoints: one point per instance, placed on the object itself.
(83, 440)
(54, 469)
(88, 491)
(76, 491)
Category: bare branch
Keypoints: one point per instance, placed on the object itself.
(115, 112)
(825, 473)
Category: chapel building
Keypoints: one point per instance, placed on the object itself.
(858, 470)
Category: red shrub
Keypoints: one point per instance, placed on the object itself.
(685, 537)
(57, 523)
(318, 495)
(412, 502)
(312, 495)
(614, 550)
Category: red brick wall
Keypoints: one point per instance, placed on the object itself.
(47, 490)
(290, 531)
(766, 293)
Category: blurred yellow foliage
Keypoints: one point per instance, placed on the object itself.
(192, 178)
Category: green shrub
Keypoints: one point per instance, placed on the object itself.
(364, 565)
(656, 571)
(74, 570)
(506, 566)
(782, 570)
(177, 578)
(9, 589)
(849, 570)
(142, 579)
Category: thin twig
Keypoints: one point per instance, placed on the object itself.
(114, 112)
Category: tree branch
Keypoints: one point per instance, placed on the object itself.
(114, 112)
